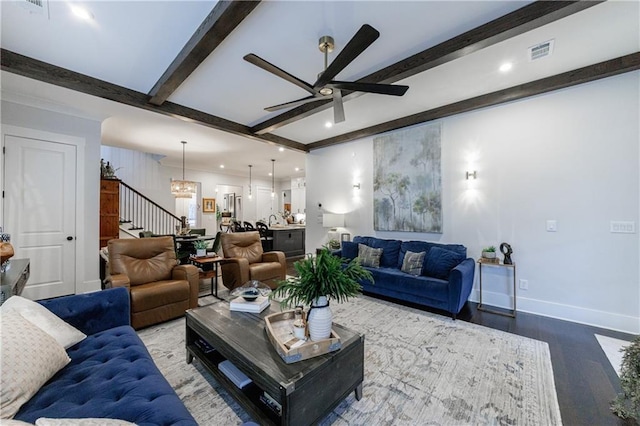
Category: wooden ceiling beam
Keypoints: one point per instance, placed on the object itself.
(223, 19)
(510, 25)
(586, 74)
(42, 71)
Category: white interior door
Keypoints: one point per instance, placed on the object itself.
(40, 212)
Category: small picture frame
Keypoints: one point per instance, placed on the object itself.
(208, 205)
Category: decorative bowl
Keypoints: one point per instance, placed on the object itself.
(250, 294)
(251, 290)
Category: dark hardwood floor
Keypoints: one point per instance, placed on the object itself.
(585, 381)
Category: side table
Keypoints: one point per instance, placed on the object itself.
(481, 307)
(14, 278)
(209, 269)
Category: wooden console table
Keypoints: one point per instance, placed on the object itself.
(14, 278)
(481, 307)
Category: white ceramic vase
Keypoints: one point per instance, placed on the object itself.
(320, 319)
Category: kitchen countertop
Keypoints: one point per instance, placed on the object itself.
(276, 227)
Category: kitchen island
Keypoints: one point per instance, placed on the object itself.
(288, 239)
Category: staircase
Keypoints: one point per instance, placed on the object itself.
(138, 213)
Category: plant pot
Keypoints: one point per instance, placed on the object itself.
(489, 254)
(201, 252)
(320, 319)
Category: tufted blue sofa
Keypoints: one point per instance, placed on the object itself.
(445, 281)
(111, 374)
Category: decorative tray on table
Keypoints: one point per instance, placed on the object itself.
(279, 328)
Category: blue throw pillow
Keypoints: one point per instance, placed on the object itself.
(440, 262)
(349, 250)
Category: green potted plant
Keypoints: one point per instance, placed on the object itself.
(320, 279)
(489, 252)
(201, 247)
(627, 404)
(333, 244)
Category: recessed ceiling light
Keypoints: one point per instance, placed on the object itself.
(281, 149)
(328, 124)
(270, 174)
(222, 166)
(297, 169)
(506, 67)
(81, 13)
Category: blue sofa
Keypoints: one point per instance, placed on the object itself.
(445, 280)
(111, 374)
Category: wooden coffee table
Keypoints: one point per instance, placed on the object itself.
(307, 390)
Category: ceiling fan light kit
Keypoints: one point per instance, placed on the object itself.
(325, 87)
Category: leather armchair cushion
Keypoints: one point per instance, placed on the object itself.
(160, 293)
(144, 260)
(265, 271)
(243, 244)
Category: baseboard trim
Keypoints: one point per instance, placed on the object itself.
(577, 314)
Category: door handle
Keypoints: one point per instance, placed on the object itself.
(69, 238)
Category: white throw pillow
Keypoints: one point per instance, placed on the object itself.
(40, 316)
(29, 357)
(43, 421)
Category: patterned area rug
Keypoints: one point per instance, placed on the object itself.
(420, 368)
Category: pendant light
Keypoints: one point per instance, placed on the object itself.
(183, 188)
(250, 166)
(273, 179)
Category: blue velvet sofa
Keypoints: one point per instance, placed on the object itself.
(444, 281)
(111, 374)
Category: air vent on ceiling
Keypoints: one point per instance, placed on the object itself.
(541, 50)
(40, 7)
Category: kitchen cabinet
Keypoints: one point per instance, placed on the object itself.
(289, 240)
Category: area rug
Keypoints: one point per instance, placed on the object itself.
(612, 348)
(420, 369)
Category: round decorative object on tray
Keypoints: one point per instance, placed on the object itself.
(251, 290)
(250, 294)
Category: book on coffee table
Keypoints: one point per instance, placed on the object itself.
(255, 306)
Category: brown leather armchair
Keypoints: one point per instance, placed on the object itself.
(159, 288)
(244, 260)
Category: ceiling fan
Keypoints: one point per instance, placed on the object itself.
(325, 86)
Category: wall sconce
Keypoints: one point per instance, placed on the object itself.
(356, 186)
(473, 174)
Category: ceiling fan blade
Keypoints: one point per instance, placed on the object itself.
(383, 89)
(358, 43)
(338, 107)
(259, 62)
(299, 102)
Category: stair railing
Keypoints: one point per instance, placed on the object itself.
(145, 214)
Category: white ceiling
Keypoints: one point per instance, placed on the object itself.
(132, 43)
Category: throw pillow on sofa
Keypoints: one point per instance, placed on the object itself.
(30, 357)
(369, 256)
(412, 263)
(349, 250)
(440, 262)
(46, 320)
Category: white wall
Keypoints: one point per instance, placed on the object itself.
(39, 119)
(571, 156)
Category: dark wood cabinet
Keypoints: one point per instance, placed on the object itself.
(289, 241)
(109, 210)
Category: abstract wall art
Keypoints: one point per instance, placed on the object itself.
(407, 180)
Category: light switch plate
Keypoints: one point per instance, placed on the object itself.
(552, 226)
(622, 227)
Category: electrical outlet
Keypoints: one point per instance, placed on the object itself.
(524, 285)
(552, 226)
